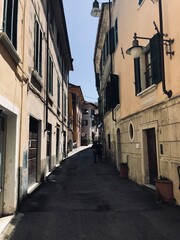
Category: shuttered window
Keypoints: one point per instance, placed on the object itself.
(38, 48)
(152, 65)
(116, 32)
(112, 40)
(155, 59)
(58, 94)
(10, 20)
(114, 90)
(137, 75)
(50, 75)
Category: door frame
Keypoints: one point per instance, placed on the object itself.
(3, 164)
(118, 147)
(145, 160)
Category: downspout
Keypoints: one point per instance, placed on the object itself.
(168, 93)
(111, 59)
(21, 111)
(47, 69)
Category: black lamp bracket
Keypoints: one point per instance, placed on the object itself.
(136, 37)
(167, 42)
(168, 47)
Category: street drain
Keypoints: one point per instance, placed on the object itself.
(103, 208)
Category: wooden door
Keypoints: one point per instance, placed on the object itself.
(152, 154)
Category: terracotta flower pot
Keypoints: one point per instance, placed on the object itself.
(164, 190)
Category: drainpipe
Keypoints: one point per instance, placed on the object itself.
(47, 69)
(111, 59)
(168, 93)
(21, 111)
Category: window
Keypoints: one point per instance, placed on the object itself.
(92, 112)
(109, 141)
(84, 122)
(58, 94)
(140, 1)
(147, 68)
(85, 111)
(105, 50)
(116, 32)
(114, 90)
(10, 20)
(64, 104)
(148, 74)
(111, 94)
(50, 75)
(113, 36)
(52, 20)
(93, 123)
(38, 49)
(131, 131)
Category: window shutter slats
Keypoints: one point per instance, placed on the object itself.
(155, 59)
(114, 90)
(137, 75)
(112, 40)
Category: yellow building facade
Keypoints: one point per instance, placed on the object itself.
(35, 60)
(141, 129)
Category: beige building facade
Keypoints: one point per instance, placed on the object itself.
(35, 62)
(143, 127)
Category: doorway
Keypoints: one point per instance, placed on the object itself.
(152, 155)
(33, 152)
(118, 155)
(2, 160)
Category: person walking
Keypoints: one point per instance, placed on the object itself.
(99, 148)
(94, 148)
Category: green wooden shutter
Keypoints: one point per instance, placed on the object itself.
(137, 75)
(114, 90)
(97, 81)
(112, 40)
(155, 58)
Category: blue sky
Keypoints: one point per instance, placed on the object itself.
(82, 28)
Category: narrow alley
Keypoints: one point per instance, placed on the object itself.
(83, 200)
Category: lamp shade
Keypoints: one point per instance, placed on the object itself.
(135, 50)
(95, 12)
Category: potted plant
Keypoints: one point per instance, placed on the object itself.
(164, 189)
(124, 170)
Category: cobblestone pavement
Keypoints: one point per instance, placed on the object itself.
(82, 200)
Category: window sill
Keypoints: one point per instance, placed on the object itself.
(9, 47)
(58, 111)
(50, 99)
(147, 90)
(139, 5)
(36, 80)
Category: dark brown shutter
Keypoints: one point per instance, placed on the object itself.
(114, 90)
(155, 58)
(137, 75)
(112, 40)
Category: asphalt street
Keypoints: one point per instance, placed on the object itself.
(83, 200)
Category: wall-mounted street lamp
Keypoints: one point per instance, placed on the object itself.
(95, 12)
(137, 50)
